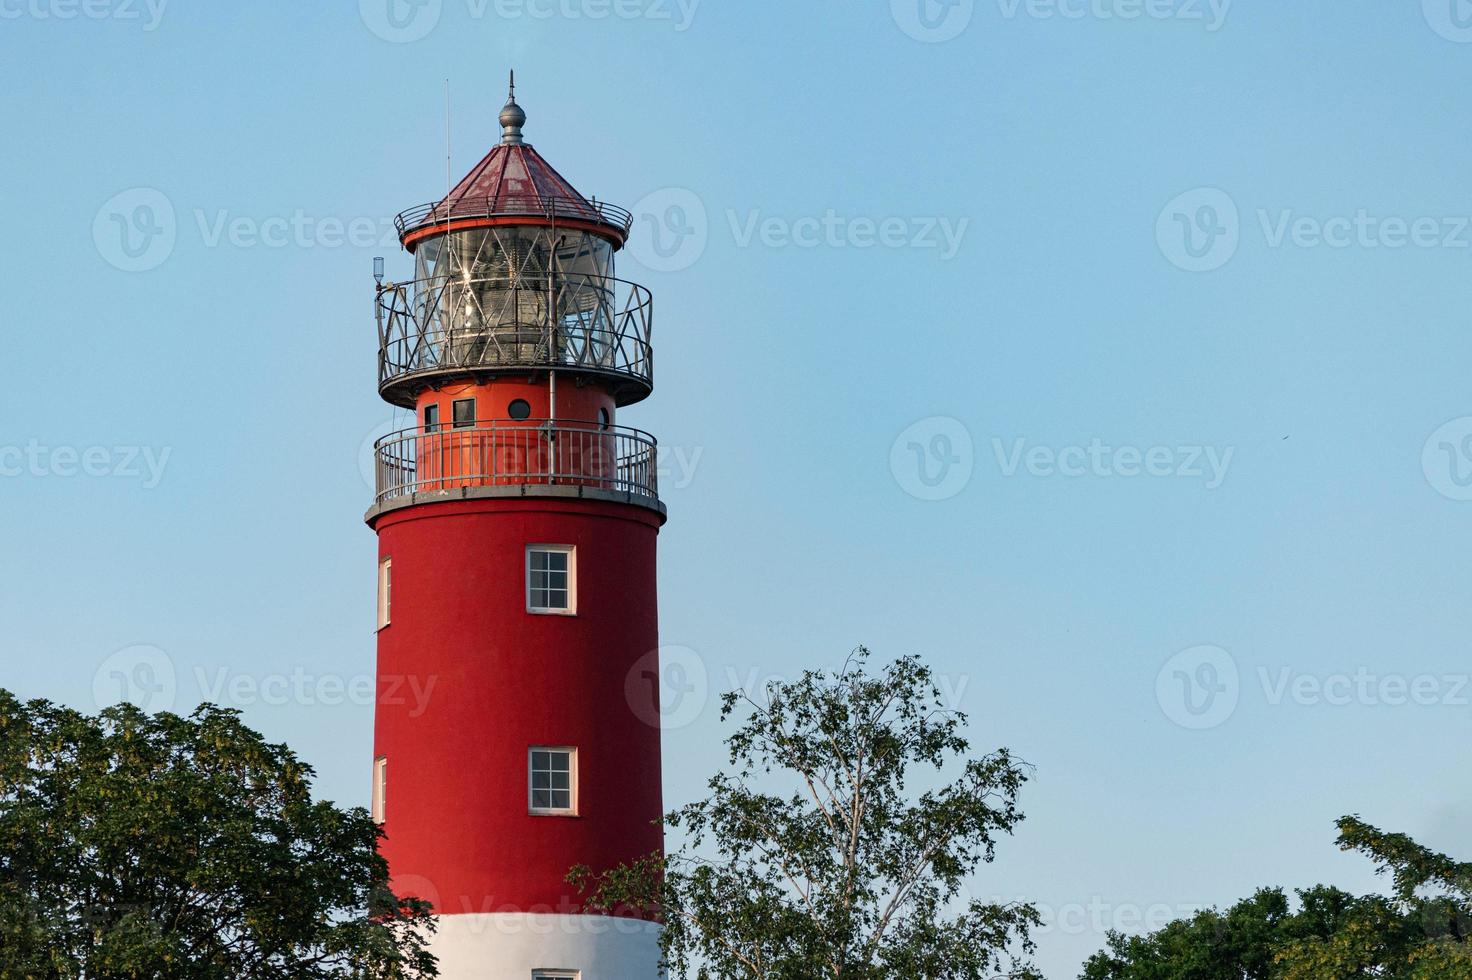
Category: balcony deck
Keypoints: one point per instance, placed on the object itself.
(530, 458)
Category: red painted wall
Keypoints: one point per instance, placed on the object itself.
(458, 830)
(574, 404)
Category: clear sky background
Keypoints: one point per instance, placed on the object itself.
(1131, 271)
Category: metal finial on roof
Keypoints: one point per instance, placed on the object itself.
(512, 117)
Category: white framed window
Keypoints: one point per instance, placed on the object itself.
(557, 975)
(551, 579)
(552, 780)
(385, 590)
(380, 790)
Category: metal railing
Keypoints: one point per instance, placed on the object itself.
(533, 452)
(447, 324)
(529, 206)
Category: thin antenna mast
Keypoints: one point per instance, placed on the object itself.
(449, 177)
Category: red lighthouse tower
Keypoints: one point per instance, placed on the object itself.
(516, 523)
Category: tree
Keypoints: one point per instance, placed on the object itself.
(1418, 933)
(137, 846)
(843, 872)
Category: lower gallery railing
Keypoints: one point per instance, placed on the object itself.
(532, 452)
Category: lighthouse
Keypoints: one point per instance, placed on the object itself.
(516, 522)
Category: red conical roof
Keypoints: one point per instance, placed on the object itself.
(512, 182)
(513, 177)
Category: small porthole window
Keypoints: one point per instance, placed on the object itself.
(603, 419)
(519, 409)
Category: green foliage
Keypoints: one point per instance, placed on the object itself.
(1419, 933)
(136, 846)
(848, 874)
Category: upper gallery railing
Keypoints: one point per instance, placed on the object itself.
(454, 325)
(502, 205)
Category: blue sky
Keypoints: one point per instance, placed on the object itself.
(1110, 355)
